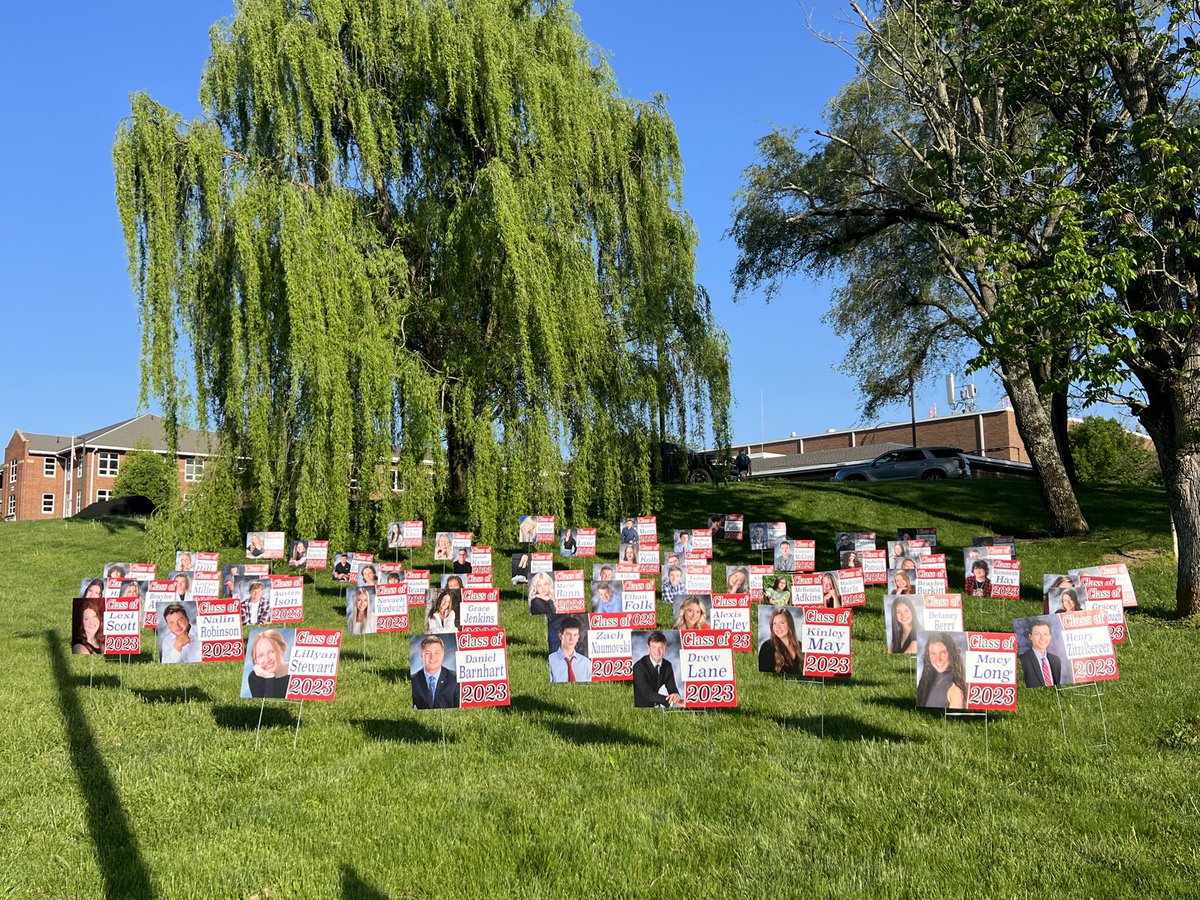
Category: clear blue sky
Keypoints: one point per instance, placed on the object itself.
(730, 71)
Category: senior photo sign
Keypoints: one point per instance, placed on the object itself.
(731, 612)
(219, 626)
(287, 599)
(312, 674)
(991, 670)
(391, 607)
(826, 642)
(610, 646)
(122, 626)
(706, 663)
(483, 668)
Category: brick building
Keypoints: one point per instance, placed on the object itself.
(49, 476)
(989, 437)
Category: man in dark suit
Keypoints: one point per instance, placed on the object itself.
(433, 686)
(1041, 669)
(654, 677)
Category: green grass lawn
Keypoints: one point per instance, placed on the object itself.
(123, 789)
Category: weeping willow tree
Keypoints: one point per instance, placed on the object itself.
(424, 236)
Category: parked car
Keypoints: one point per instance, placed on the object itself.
(926, 463)
(681, 464)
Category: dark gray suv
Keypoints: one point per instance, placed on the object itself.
(913, 462)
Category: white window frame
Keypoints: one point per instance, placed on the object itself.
(108, 463)
(12, 471)
(52, 464)
(12, 505)
(395, 481)
(47, 501)
(193, 468)
(78, 501)
(103, 494)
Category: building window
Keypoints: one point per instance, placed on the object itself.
(47, 503)
(12, 471)
(193, 469)
(103, 495)
(12, 505)
(396, 480)
(109, 463)
(48, 467)
(78, 501)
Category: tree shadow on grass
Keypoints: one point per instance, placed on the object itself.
(122, 868)
(95, 681)
(395, 675)
(527, 703)
(908, 704)
(355, 887)
(245, 718)
(404, 731)
(172, 695)
(582, 733)
(842, 728)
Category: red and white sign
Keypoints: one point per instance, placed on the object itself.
(874, 566)
(417, 582)
(461, 539)
(1106, 594)
(122, 626)
(585, 541)
(545, 530)
(702, 541)
(931, 581)
(1088, 646)
(390, 568)
(266, 545)
(933, 561)
(158, 592)
(806, 590)
(757, 575)
(639, 605)
(312, 672)
(1119, 571)
(478, 580)
(991, 664)
(706, 665)
(648, 559)
(207, 561)
(928, 535)
(318, 555)
(568, 592)
(698, 579)
(626, 571)
(732, 525)
(851, 587)
(731, 612)
(693, 558)
(827, 642)
(143, 571)
(482, 661)
(541, 562)
(412, 534)
(287, 599)
(610, 647)
(647, 530)
(943, 612)
(219, 628)
(804, 555)
(479, 608)
(391, 607)
(1006, 579)
(206, 585)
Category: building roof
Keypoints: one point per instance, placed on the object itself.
(145, 429)
(820, 459)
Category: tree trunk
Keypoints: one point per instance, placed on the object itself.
(1034, 426)
(1172, 419)
(1059, 416)
(458, 456)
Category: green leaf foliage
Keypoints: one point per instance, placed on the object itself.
(1106, 453)
(146, 474)
(421, 236)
